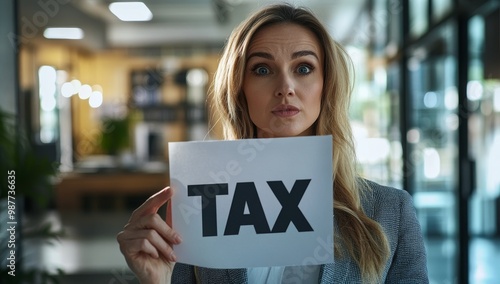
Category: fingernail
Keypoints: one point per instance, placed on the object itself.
(177, 238)
(173, 257)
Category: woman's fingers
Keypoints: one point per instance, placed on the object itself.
(153, 203)
(146, 241)
(154, 222)
(147, 233)
(137, 246)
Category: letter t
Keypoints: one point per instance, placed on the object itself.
(208, 193)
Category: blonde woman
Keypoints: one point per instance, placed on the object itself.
(281, 75)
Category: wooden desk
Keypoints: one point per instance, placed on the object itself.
(72, 187)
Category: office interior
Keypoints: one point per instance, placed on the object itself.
(103, 107)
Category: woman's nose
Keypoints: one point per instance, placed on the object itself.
(285, 86)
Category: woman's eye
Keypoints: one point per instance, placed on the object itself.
(261, 70)
(304, 69)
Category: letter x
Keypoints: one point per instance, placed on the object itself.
(290, 211)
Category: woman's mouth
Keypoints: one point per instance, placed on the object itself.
(285, 110)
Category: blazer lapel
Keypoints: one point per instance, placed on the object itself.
(367, 202)
(237, 276)
(209, 275)
(339, 271)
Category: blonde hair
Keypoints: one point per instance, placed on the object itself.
(360, 236)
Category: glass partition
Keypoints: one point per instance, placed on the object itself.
(483, 97)
(418, 17)
(440, 8)
(432, 142)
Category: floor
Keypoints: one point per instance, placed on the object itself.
(89, 253)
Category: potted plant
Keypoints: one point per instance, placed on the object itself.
(25, 176)
(115, 135)
(115, 141)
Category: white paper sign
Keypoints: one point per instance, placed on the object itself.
(253, 202)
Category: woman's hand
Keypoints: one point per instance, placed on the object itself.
(146, 241)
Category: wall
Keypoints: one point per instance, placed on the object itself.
(111, 69)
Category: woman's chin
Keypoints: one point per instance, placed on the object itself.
(284, 133)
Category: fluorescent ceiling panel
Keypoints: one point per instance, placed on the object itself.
(63, 33)
(131, 11)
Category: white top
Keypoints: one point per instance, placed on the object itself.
(283, 275)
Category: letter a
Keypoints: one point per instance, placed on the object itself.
(246, 193)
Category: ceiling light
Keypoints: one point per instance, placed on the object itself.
(131, 11)
(63, 33)
(95, 99)
(85, 92)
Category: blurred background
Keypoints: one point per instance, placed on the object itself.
(92, 91)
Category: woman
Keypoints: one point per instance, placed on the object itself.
(281, 75)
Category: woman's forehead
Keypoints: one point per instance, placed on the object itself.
(284, 37)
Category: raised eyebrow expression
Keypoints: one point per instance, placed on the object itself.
(295, 55)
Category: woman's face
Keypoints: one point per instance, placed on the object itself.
(283, 80)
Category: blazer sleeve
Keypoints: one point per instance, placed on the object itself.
(183, 274)
(186, 274)
(409, 262)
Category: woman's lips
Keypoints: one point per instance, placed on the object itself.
(285, 111)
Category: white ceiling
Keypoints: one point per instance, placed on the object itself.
(175, 22)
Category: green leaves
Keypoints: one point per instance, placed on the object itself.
(33, 173)
(115, 135)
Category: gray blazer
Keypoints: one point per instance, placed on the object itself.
(390, 207)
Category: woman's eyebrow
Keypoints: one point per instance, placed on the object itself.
(295, 55)
(304, 53)
(261, 54)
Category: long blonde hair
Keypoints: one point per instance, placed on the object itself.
(361, 237)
